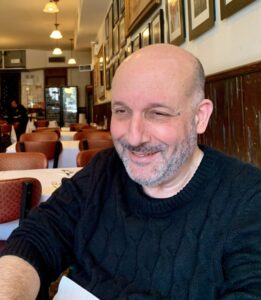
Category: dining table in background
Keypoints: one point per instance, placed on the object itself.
(50, 180)
(67, 158)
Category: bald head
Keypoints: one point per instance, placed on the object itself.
(162, 66)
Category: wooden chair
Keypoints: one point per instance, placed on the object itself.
(85, 143)
(39, 136)
(57, 130)
(51, 149)
(96, 134)
(23, 161)
(5, 136)
(17, 197)
(85, 156)
(78, 126)
(41, 123)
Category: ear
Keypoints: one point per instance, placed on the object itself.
(203, 113)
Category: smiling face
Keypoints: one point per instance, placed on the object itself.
(153, 120)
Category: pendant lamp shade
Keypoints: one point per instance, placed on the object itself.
(56, 33)
(51, 7)
(71, 60)
(57, 51)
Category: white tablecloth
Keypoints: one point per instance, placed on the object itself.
(67, 135)
(67, 158)
(50, 179)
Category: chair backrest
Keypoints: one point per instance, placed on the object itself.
(57, 130)
(85, 156)
(85, 143)
(92, 134)
(39, 136)
(23, 161)
(51, 149)
(17, 197)
(41, 123)
(5, 136)
(78, 126)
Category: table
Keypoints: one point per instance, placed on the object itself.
(50, 179)
(67, 158)
(67, 135)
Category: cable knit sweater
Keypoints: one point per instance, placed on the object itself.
(203, 243)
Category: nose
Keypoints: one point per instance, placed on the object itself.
(137, 132)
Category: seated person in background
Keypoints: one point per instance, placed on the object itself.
(18, 117)
(160, 217)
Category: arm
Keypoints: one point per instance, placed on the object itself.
(18, 279)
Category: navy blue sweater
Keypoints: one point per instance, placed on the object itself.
(203, 243)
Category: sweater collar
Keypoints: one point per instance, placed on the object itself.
(140, 203)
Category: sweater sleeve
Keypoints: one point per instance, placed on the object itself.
(242, 253)
(46, 237)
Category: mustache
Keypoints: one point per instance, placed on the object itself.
(143, 148)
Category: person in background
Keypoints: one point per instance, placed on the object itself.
(18, 117)
(159, 216)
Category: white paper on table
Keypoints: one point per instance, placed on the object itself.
(69, 290)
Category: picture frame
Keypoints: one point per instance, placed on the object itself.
(201, 17)
(122, 55)
(122, 35)
(157, 28)
(116, 39)
(175, 21)
(135, 45)
(121, 6)
(110, 32)
(115, 5)
(128, 48)
(229, 7)
(145, 36)
(106, 25)
(99, 76)
(108, 79)
(136, 11)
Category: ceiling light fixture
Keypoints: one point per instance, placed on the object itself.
(56, 34)
(51, 7)
(71, 60)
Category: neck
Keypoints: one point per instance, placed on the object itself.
(181, 179)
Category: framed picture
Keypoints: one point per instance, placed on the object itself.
(157, 28)
(145, 36)
(122, 55)
(176, 21)
(121, 6)
(108, 79)
(107, 26)
(136, 12)
(122, 32)
(135, 43)
(201, 17)
(99, 77)
(115, 65)
(115, 5)
(129, 48)
(229, 7)
(116, 39)
(110, 37)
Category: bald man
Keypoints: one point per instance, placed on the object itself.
(158, 217)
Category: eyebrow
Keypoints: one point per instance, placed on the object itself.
(151, 105)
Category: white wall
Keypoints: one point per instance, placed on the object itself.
(81, 79)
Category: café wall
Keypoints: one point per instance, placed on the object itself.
(32, 80)
(232, 42)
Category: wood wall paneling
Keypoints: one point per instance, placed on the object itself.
(235, 126)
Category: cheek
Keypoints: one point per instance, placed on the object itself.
(117, 128)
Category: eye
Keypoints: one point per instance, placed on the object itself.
(120, 112)
(156, 114)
